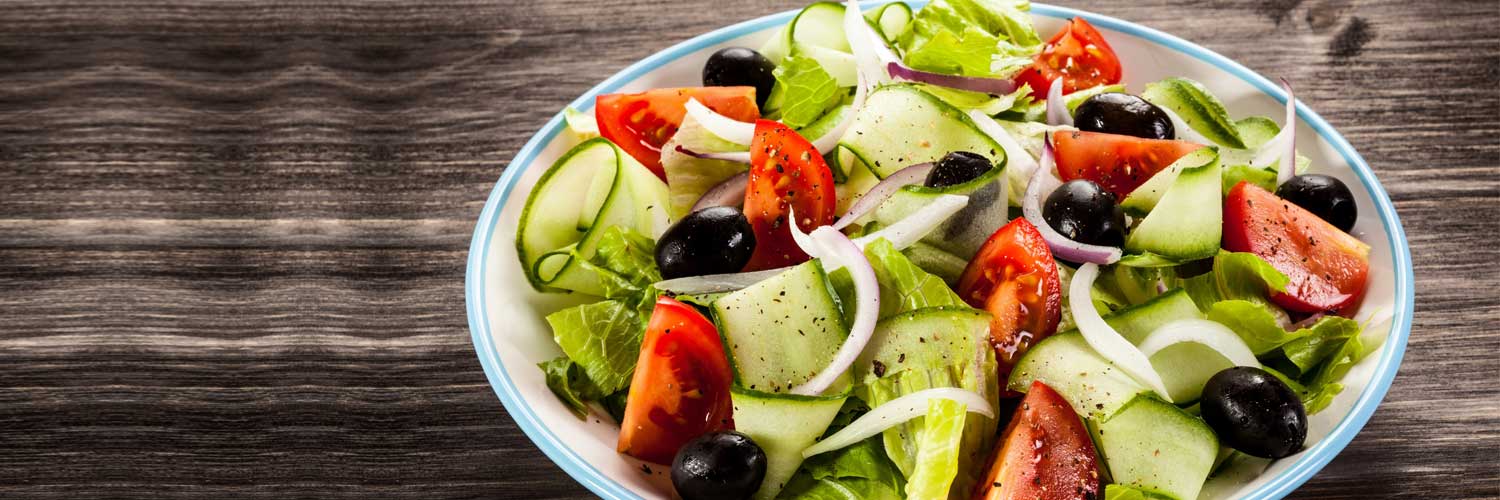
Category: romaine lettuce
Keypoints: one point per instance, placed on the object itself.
(603, 338)
(809, 91)
(857, 472)
(939, 453)
(1235, 276)
(985, 38)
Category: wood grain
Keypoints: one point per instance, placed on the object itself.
(232, 234)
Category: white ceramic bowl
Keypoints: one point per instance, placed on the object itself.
(510, 336)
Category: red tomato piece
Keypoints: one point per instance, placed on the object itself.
(786, 174)
(1014, 278)
(1117, 163)
(641, 123)
(680, 389)
(1079, 55)
(1327, 267)
(1046, 453)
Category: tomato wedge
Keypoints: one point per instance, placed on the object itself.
(1118, 163)
(1046, 454)
(680, 389)
(641, 123)
(1079, 55)
(1327, 267)
(1014, 278)
(786, 174)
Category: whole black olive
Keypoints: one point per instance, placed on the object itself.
(1324, 196)
(1086, 213)
(957, 168)
(1254, 412)
(715, 240)
(719, 465)
(737, 66)
(1124, 114)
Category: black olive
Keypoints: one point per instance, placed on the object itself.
(1324, 196)
(739, 66)
(1124, 114)
(719, 465)
(957, 168)
(715, 240)
(1084, 212)
(1254, 412)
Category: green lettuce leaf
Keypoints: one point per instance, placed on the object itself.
(628, 255)
(603, 338)
(689, 177)
(1126, 492)
(904, 443)
(808, 91)
(903, 285)
(1329, 336)
(567, 380)
(987, 38)
(857, 472)
(1235, 276)
(938, 455)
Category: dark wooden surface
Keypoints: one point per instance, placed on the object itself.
(232, 234)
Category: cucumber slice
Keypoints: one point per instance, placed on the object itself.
(901, 126)
(964, 232)
(1187, 223)
(1199, 108)
(1186, 367)
(820, 24)
(1136, 322)
(1155, 446)
(782, 425)
(1144, 198)
(892, 19)
(782, 331)
(923, 339)
(1255, 131)
(555, 232)
(1067, 364)
(858, 179)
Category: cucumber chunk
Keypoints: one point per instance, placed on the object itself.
(892, 19)
(1067, 364)
(1187, 223)
(557, 228)
(925, 338)
(900, 126)
(782, 331)
(1141, 201)
(782, 425)
(1155, 446)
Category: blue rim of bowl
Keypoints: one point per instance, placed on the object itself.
(1307, 464)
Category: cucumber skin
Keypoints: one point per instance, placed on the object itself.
(528, 265)
(1145, 197)
(1199, 108)
(770, 427)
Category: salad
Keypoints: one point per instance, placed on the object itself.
(934, 254)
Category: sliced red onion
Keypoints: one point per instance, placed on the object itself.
(996, 86)
(1031, 205)
(1016, 155)
(729, 193)
(896, 412)
(734, 156)
(915, 174)
(864, 59)
(1057, 108)
(1200, 331)
(866, 312)
(919, 224)
(1306, 322)
(1184, 131)
(1161, 287)
(1103, 338)
(726, 128)
(715, 283)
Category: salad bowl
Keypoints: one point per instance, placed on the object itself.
(510, 335)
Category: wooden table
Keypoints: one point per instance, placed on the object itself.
(232, 234)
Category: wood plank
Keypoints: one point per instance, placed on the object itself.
(232, 234)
